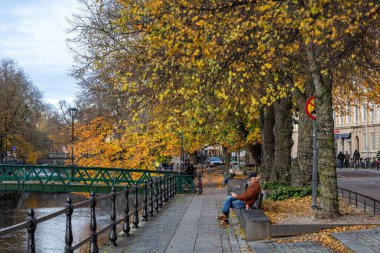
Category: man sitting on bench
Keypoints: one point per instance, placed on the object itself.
(241, 201)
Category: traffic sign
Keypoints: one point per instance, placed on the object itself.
(310, 108)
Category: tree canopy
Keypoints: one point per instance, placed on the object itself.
(211, 66)
(21, 107)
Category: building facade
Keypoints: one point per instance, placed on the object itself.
(359, 128)
(356, 128)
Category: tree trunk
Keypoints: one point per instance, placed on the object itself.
(194, 157)
(283, 130)
(325, 130)
(227, 157)
(255, 151)
(2, 149)
(267, 125)
(302, 168)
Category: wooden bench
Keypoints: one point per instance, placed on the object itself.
(259, 202)
(237, 185)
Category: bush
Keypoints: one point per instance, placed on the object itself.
(272, 185)
(278, 191)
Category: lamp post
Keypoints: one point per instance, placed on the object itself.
(73, 112)
(182, 153)
(6, 148)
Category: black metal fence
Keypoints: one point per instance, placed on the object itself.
(362, 163)
(360, 199)
(155, 192)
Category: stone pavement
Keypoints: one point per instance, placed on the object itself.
(188, 224)
(293, 247)
(361, 241)
(364, 241)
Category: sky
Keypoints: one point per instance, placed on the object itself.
(33, 33)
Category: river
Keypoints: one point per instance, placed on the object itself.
(50, 235)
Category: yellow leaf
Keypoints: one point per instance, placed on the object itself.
(268, 65)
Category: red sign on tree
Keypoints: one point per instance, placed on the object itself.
(310, 108)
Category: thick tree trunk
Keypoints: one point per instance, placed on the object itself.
(283, 130)
(325, 129)
(302, 168)
(267, 125)
(255, 151)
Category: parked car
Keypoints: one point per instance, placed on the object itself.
(213, 161)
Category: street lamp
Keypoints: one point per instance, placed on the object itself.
(182, 152)
(6, 147)
(73, 112)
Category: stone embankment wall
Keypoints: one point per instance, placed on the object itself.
(9, 199)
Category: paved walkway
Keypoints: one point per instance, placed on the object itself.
(293, 247)
(364, 241)
(188, 224)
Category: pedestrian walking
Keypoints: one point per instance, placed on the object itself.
(356, 157)
(341, 159)
(347, 159)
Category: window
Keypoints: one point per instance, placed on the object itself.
(341, 119)
(349, 116)
(372, 113)
(378, 113)
(356, 114)
(364, 113)
(365, 142)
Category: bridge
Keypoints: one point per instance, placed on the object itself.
(83, 179)
(155, 188)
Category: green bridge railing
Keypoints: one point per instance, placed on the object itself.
(83, 179)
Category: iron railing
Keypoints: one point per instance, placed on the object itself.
(155, 191)
(358, 198)
(81, 179)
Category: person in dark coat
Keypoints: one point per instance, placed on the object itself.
(229, 175)
(347, 159)
(341, 159)
(356, 157)
(189, 168)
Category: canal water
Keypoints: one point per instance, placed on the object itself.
(50, 235)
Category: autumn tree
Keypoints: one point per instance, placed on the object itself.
(333, 34)
(106, 43)
(245, 53)
(192, 80)
(324, 33)
(20, 108)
